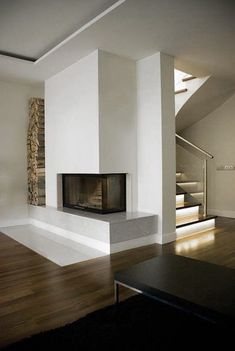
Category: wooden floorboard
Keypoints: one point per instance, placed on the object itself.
(38, 295)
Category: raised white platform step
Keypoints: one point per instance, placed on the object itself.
(57, 249)
(108, 233)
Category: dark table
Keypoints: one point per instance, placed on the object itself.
(204, 289)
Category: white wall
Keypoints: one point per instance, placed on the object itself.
(216, 134)
(149, 134)
(168, 147)
(71, 124)
(156, 141)
(13, 147)
(117, 120)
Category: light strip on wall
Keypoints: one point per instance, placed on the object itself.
(80, 30)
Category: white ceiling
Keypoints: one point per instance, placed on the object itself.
(199, 33)
(32, 27)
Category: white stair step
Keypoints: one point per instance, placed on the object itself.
(187, 204)
(195, 225)
(186, 213)
(180, 199)
(190, 186)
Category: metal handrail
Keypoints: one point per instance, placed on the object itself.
(204, 155)
(203, 152)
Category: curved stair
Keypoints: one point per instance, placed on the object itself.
(196, 97)
(186, 87)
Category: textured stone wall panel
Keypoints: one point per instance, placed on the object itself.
(36, 153)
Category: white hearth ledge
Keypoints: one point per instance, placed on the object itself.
(108, 233)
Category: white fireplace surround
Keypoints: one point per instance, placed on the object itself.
(109, 114)
(90, 123)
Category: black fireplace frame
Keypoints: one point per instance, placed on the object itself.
(90, 209)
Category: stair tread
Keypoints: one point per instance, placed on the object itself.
(181, 192)
(187, 205)
(188, 78)
(181, 91)
(201, 218)
(187, 181)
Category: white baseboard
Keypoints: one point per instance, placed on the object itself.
(14, 222)
(81, 239)
(143, 241)
(168, 238)
(134, 243)
(165, 238)
(221, 213)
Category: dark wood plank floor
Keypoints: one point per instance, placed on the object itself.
(37, 295)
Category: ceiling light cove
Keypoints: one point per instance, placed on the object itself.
(30, 32)
(17, 56)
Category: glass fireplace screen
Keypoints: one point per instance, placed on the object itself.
(101, 193)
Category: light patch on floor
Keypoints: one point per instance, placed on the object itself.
(54, 247)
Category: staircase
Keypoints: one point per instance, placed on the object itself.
(185, 87)
(190, 217)
(191, 193)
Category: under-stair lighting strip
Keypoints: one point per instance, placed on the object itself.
(194, 228)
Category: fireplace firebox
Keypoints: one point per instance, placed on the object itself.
(100, 193)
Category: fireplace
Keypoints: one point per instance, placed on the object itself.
(101, 193)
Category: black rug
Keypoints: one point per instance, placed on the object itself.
(138, 323)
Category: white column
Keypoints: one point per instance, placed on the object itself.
(156, 142)
(117, 120)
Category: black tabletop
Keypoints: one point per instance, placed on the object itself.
(201, 287)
